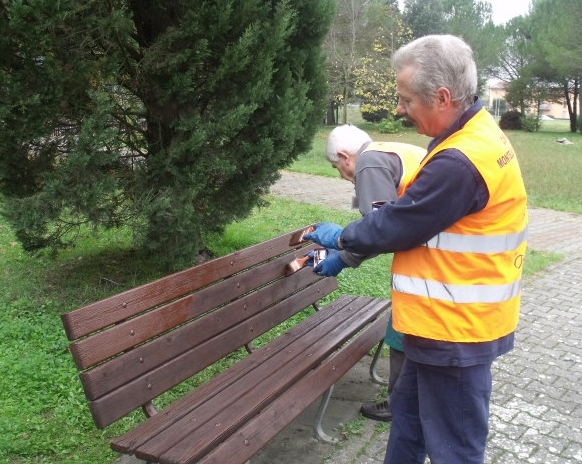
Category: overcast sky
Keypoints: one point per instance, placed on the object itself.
(503, 10)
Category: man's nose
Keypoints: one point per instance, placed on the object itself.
(400, 108)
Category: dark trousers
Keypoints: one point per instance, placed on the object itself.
(396, 363)
(439, 411)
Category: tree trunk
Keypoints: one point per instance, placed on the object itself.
(330, 119)
(574, 125)
(345, 107)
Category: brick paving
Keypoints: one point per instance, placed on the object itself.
(536, 407)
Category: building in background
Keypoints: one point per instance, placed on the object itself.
(497, 104)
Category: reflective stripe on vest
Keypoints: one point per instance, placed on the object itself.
(455, 293)
(477, 243)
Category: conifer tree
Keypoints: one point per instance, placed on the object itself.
(170, 117)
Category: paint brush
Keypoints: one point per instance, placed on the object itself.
(295, 265)
(297, 237)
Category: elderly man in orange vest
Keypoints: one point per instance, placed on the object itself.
(458, 232)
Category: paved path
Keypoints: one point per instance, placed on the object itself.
(536, 408)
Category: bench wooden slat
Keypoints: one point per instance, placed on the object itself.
(135, 363)
(249, 440)
(121, 337)
(279, 375)
(116, 372)
(130, 441)
(282, 368)
(111, 407)
(117, 308)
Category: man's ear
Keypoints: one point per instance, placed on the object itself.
(344, 156)
(443, 97)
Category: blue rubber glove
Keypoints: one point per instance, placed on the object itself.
(326, 235)
(330, 266)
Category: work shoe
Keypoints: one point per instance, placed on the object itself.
(377, 411)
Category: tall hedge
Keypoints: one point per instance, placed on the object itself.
(169, 117)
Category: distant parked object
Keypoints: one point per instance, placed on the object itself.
(545, 117)
(564, 141)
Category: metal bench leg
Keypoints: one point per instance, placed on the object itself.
(319, 418)
(373, 374)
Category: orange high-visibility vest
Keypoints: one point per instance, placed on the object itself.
(464, 285)
(410, 157)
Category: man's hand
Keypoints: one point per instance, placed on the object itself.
(326, 234)
(330, 266)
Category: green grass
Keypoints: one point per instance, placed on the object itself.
(43, 413)
(551, 171)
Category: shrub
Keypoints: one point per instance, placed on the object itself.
(390, 126)
(511, 120)
(374, 116)
(531, 123)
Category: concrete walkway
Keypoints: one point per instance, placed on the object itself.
(536, 408)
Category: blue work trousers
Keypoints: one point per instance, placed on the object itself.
(439, 411)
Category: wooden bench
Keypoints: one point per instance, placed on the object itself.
(134, 346)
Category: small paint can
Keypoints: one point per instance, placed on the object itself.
(319, 254)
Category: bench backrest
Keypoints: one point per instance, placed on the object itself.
(136, 345)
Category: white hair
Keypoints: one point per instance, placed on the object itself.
(346, 138)
(439, 61)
